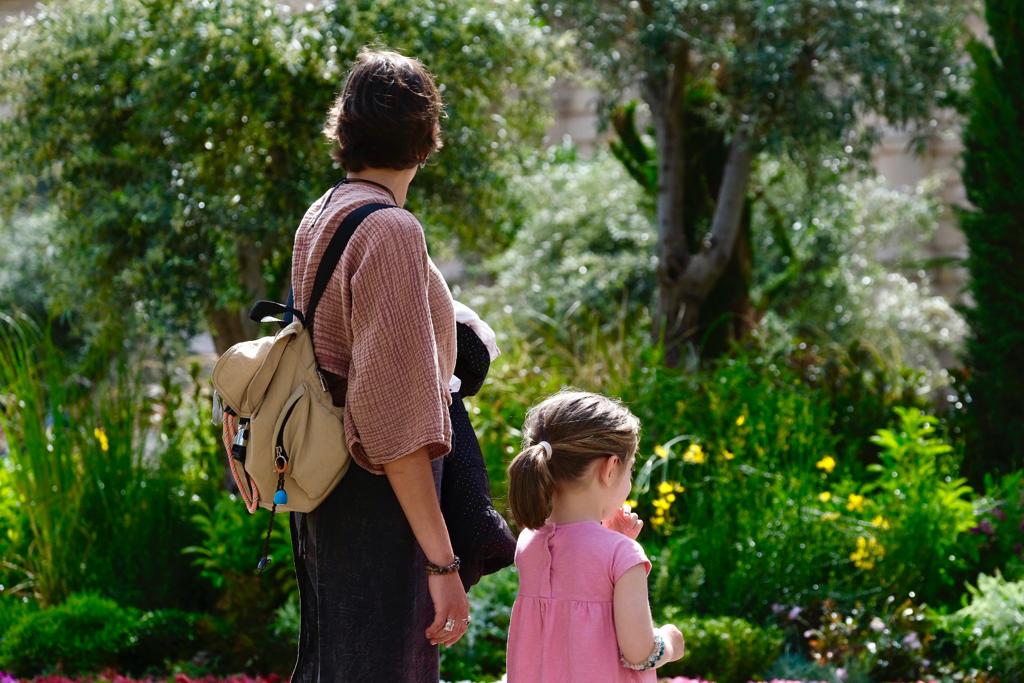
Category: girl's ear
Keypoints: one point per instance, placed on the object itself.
(608, 469)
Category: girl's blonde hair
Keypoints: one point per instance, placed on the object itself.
(580, 427)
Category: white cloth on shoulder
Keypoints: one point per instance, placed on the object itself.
(465, 314)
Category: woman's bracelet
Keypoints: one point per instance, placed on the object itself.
(447, 569)
(652, 660)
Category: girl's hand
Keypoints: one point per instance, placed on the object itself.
(625, 521)
(674, 644)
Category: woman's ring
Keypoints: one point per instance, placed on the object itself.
(449, 625)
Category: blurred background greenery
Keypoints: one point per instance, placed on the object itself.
(831, 468)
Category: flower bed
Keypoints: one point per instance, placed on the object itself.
(114, 677)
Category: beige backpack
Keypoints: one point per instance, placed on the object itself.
(290, 450)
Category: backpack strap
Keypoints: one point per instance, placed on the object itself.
(331, 257)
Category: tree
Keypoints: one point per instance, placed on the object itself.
(179, 142)
(994, 227)
(779, 76)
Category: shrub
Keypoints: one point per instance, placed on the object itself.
(226, 557)
(100, 481)
(587, 241)
(996, 541)
(922, 510)
(12, 610)
(85, 634)
(163, 637)
(989, 629)
(723, 649)
(893, 642)
(851, 273)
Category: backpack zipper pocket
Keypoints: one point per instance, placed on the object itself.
(280, 453)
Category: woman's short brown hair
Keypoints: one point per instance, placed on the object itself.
(387, 115)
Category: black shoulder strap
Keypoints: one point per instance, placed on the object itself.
(332, 255)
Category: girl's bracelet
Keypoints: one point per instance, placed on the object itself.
(652, 660)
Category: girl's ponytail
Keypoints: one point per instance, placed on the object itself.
(563, 435)
(530, 486)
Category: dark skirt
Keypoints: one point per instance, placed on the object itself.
(364, 600)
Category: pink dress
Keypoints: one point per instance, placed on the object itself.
(563, 624)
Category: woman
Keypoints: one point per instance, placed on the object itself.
(370, 610)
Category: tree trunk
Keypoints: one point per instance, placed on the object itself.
(666, 101)
(727, 314)
(681, 294)
(230, 326)
(227, 328)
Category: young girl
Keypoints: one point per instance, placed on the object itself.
(582, 612)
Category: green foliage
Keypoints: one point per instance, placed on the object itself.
(723, 649)
(164, 637)
(88, 633)
(890, 644)
(725, 80)
(83, 482)
(996, 541)
(226, 557)
(12, 610)
(588, 243)
(774, 65)
(480, 655)
(84, 635)
(839, 267)
(993, 172)
(41, 467)
(744, 533)
(744, 438)
(988, 629)
(23, 261)
(178, 143)
(232, 540)
(927, 508)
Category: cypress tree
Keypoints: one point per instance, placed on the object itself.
(994, 228)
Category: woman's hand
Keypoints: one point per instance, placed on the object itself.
(625, 521)
(413, 482)
(450, 602)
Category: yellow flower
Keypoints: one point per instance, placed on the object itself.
(101, 436)
(824, 496)
(660, 451)
(727, 454)
(671, 498)
(660, 504)
(694, 454)
(679, 488)
(830, 516)
(881, 522)
(855, 503)
(867, 553)
(665, 487)
(740, 420)
(631, 503)
(828, 463)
